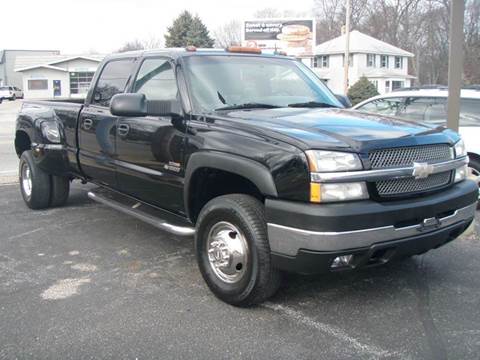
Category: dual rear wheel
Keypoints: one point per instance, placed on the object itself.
(39, 189)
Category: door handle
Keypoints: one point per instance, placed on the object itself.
(123, 129)
(87, 124)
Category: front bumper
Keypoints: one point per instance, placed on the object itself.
(298, 231)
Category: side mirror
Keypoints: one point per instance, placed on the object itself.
(344, 100)
(128, 105)
(136, 105)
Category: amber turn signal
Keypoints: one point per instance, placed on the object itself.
(315, 194)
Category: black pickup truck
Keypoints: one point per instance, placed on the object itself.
(256, 158)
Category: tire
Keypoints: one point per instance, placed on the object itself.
(237, 220)
(474, 165)
(60, 190)
(13, 98)
(35, 184)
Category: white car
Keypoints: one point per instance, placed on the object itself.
(430, 106)
(11, 93)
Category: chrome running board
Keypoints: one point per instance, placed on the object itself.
(159, 218)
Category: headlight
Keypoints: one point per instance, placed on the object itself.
(327, 192)
(330, 161)
(51, 132)
(460, 149)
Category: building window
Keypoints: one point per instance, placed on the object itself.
(398, 62)
(80, 82)
(384, 61)
(397, 85)
(387, 86)
(350, 60)
(371, 60)
(375, 82)
(321, 61)
(37, 84)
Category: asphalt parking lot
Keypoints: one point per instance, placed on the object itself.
(85, 281)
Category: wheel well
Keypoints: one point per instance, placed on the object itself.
(474, 156)
(22, 142)
(208, 183)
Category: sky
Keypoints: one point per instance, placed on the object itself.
(102, 26)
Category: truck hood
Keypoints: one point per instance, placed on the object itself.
(325, 128)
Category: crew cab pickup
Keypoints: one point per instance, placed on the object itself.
(253, 156)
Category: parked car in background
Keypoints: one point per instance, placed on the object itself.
(11, 93)
(430, 106)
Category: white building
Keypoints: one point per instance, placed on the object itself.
(385, 65)
(57, 76)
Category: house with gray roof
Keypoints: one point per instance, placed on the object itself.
(385, 65)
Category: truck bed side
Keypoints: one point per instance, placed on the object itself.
(64, 114)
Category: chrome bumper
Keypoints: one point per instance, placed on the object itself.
(288, 240)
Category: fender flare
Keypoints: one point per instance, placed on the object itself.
(252, 170)
(51, 158)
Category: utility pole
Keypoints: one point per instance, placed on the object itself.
(347, 48)
(455, 63)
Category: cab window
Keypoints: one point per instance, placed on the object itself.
(156, 79)
(112, 81)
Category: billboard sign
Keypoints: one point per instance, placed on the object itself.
(294, 36)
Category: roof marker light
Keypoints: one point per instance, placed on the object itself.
(244, 49)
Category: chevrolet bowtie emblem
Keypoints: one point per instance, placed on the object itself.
(422, 170)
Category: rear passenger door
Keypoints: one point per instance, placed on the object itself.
(97, 126)
(150, 148)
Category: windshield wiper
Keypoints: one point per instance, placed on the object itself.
(312, 104)
(251, 105)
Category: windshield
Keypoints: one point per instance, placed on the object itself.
(218, 82)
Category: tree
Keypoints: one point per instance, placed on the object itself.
(267, 13)
(131, 46)
(198, 35)
(228, 34)
(361, 90)
(188, 30)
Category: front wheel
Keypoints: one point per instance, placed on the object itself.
(233, 252)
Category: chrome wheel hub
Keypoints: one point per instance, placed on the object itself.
(26, 179)
(227, 251)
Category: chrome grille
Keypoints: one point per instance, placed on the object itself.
(405, 156)
(412, 185)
